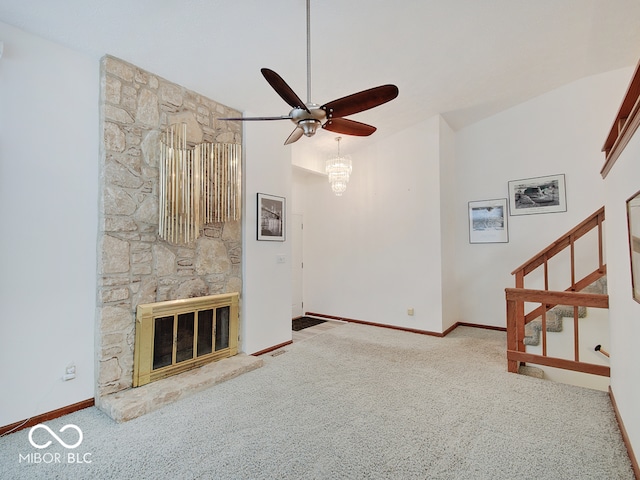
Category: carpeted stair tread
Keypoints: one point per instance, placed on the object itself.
(556, 315)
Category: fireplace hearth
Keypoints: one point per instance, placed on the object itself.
(181, 347)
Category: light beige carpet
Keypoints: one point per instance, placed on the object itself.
(355, 402)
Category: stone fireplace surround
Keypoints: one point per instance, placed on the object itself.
(135, 266)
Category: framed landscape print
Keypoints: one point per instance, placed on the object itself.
(488, 221)
(537, 195)
(271, 215)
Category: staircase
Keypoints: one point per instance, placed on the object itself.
(531, 328)
(555, 316)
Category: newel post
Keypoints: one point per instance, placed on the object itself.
(512, 332)
(519, 313)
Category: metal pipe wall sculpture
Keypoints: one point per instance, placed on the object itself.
(198, 184)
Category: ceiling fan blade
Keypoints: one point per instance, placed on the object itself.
(361, 101)
(295, 136)
(282, 117)
(282, 89)
(348, 127)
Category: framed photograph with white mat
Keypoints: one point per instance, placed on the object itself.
(488, 221)
(537, 195)
(271, 217)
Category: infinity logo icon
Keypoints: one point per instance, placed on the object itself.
(52, 433)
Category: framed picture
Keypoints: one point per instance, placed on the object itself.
(271, 215)
(633, 220)
(488, 221)
(537, 195)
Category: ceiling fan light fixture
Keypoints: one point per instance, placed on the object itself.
(338, 168)
(309, 126)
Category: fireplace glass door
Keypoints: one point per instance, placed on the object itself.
(177, 337)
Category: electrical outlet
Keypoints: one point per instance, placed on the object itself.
(69, 372)
(410, 311)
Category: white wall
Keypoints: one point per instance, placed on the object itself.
(266, 295)
(622, 182)
(559, 132)
(48, 212)
(376, 251)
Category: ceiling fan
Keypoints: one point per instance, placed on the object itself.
(330, 116)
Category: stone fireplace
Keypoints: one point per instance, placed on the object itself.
(135, 266)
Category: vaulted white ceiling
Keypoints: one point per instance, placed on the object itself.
(464, 59)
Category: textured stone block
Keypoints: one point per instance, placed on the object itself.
(114, 137)
(115, 256)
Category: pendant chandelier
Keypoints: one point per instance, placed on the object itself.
(338, 168)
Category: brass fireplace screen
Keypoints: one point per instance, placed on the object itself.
(178, 335)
